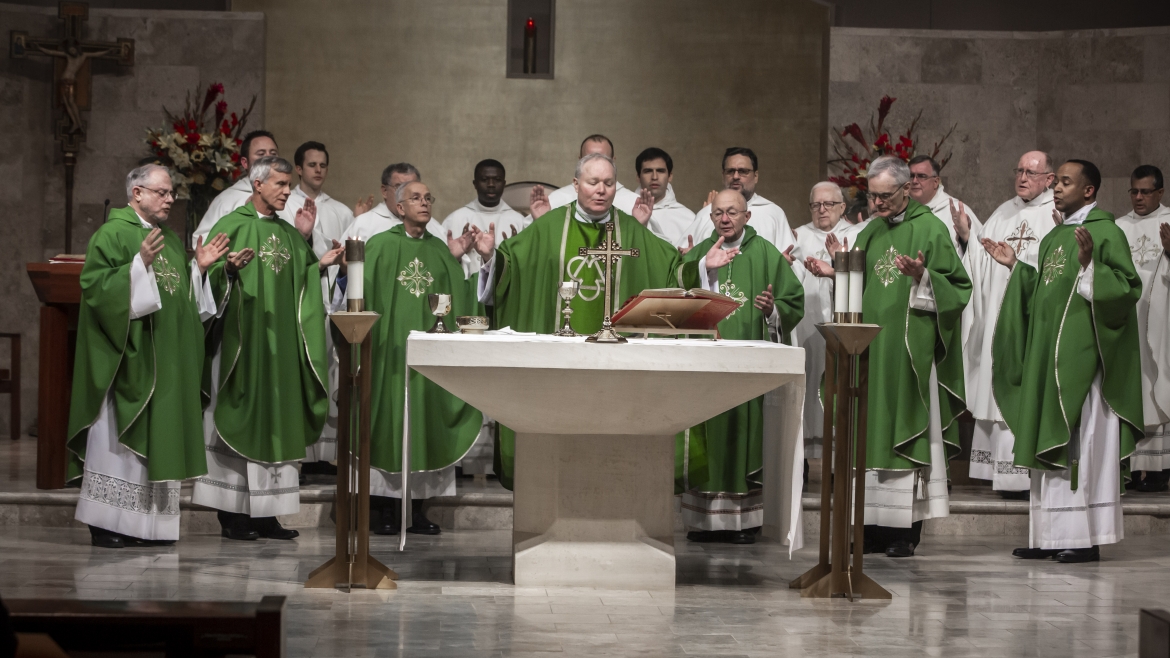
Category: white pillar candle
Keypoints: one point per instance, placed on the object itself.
(856, 287)
(355, 281)
(841, 292)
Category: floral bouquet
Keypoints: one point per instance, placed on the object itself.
(202, 150)
(854, 150)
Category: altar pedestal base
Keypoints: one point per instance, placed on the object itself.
(594, 510)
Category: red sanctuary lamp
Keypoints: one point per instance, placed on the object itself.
(530, 46)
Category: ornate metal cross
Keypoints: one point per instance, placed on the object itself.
(609, 252)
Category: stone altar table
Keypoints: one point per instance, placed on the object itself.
(595, 427)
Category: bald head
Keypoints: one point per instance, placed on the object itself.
(597, 144)
(1033, 175)
(729, 214)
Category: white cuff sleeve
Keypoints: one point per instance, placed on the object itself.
(144, 296)
(704, 282)
(922, 295)
(1085, 282)
(774, 319)
(201, 288)
(486, 287)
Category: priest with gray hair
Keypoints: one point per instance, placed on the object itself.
(267, 361)
(916, 288)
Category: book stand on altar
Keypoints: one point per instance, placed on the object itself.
(352, 565)
(846, 401)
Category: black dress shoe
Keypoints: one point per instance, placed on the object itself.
(901, 548)
(318, 468)
(103, 538)
(236, 526)
(385, 519)
(1015, 495)
(1078, 555)
(1151, 484)
(741, 536)
(1034, 553)
(269, 528)
(703, 536)
(421, 525)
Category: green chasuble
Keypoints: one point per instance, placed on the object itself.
(725, 454)
(400, 271)
(152, 365)
(911, 340)
(1050, 341)
(272, 397)
(530, 267)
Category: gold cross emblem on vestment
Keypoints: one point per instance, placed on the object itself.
(415, 278)
(273, 254)
(1022, 238)
(886, 269)
(1145, 250)
(1054, 265)
(165, 275)
(610, 252)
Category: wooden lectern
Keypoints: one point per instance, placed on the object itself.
(58, 286)
(846, 412)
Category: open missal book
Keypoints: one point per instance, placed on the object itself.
(675, 308)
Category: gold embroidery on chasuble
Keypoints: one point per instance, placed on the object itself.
(165, 275)
(886, 269)
(1145, 250)
(416, 278)
(1054, 265)
(731, 290)
(1022, 238)
(273, 254)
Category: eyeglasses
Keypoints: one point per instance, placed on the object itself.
(922, 176)
(1029, 173)
(419, 199)
(164, 194)
(883, 197)
(1135, 191)
(824, 205)
(731, 214)
(743, 173)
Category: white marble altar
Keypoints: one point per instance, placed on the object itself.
(595, 426)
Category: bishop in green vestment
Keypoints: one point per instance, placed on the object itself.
(1068, 371)
(916, 288)
(522, 278)
(266, 365)
(402, 267)
(718, 463)
(135, 421)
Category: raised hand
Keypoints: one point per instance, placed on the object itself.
(833, 245)
(766, 302)
(335, 256)
(206, 255)
(237, 260)
(514, 231)
(485, 241)
(911, 267)
(1001, 252)
(682, 251)
(1164, 233)
(961, 221)
(717, 256)
(819, 267)
(787, 254)
(1057, 218)
(1085, 244)
(363, 206)
(152, 245)
(460, 245)
(644, 207)
(710, 198)
(306, 219)
(538, 202)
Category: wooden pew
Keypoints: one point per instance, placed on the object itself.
(176, 628)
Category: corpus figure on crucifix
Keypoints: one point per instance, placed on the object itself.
(522, 277)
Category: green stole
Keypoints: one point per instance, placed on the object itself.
(272, 399)
(530, 267)
(1049, 343)
(400, 271)
(911, 340)
(152, 364)
(725, 453)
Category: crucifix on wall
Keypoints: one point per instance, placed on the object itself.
(71, 83)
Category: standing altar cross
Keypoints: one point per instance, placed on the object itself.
(609, 251)
(72, 82)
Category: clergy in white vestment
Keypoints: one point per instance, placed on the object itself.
(1068, 371)
(741, 172)
(135, 424)
(926, 188)
(827, 207)
(623, 200)
(257, 144)
(670, 218)
(1022, 222)
(1144, 227)
(382, 217)
(487, 210)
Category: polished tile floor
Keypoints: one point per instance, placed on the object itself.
(961, 596)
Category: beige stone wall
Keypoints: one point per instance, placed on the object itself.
(380, 81)
(175, 51)
(1100, 95)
